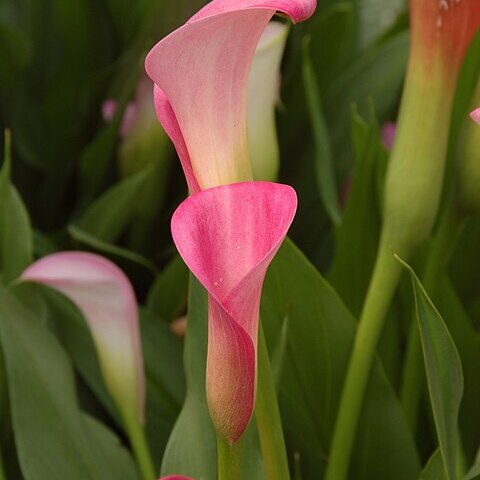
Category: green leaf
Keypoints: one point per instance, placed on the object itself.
(374, 77)
(323, 156)
(109, 450)
(474, 472)
(109, 248)
(53, 439)
(333, 40)
(16, 244)
(191, 449)
(96, 159)
(434, 469)
(15, 51)
(320, 335)
(110, 214)
(444, 373)
(465, 337)
(357, 236)
(162, 354)
(168, 295)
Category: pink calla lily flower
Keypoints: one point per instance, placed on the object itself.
(227, 236)
(475, 115)
(201, 75)
(104, 295)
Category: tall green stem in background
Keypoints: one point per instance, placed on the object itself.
(138, 441)
(382, 287)
(268, 418)
(413, 187)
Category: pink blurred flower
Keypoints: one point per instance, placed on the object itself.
(105, 297)
(388, 134)
(475, 115)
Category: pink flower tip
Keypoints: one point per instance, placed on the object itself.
(175, 477)
(475, 115)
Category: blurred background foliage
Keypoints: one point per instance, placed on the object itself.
(342, 76)
(60, 60)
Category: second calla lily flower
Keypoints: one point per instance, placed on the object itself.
(104, 295)
(201, 76)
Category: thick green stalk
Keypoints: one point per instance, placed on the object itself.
(141, 451)
(449, 229)
(385, 278)
(268, 418)
(229, 457)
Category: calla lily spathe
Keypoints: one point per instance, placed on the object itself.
(105, 297)
(201, 75)
(227, 236)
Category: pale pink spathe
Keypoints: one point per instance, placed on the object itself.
(201, 72)
(227, 236)
(104, 295)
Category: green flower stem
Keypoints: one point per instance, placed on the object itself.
(386, 276)
(449, 230)
(138, 441)
(229, 457)
(268, 418)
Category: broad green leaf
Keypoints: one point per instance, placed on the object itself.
(167, 296)
(53, 439)
(162, 354)
(186, 454)
(434, 470)
(110, 214)
(16, 244)
(109, 450)
(191, 449)
(466, 340)
(444, 373)
(320, 336)
(323, 156)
